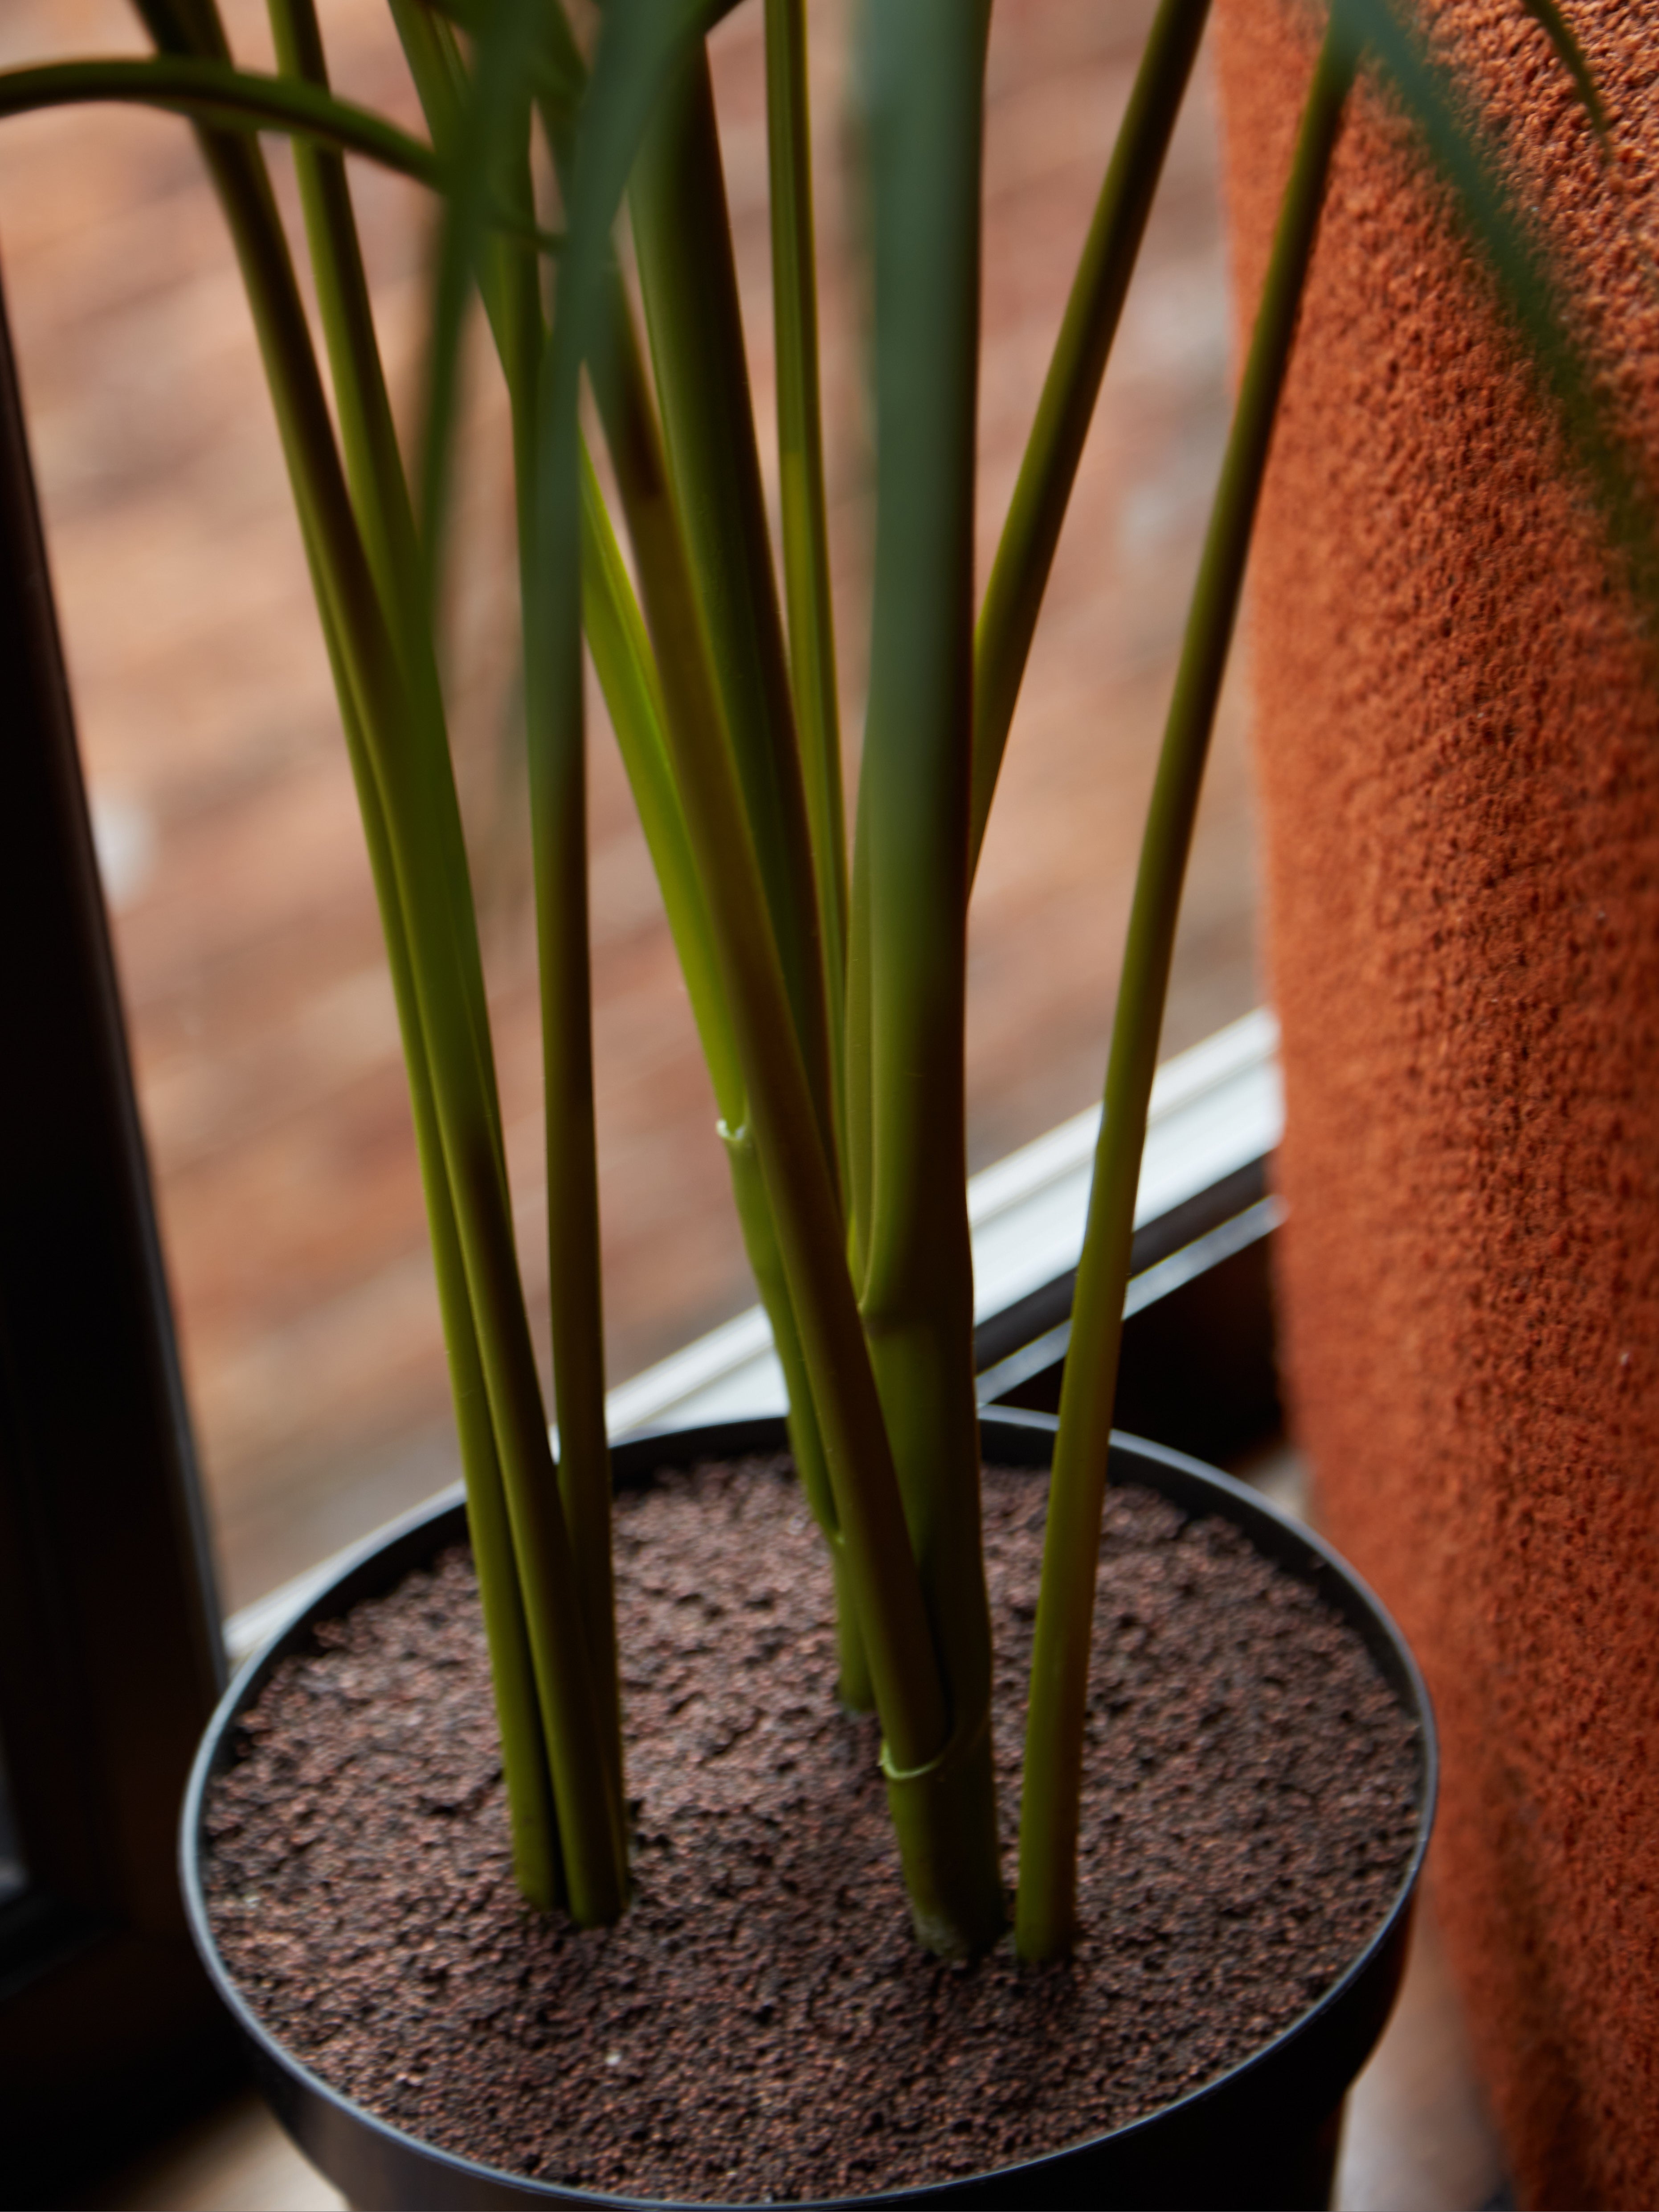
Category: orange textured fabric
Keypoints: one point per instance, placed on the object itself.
(1458, 745)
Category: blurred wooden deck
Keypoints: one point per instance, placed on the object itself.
(261, 1018)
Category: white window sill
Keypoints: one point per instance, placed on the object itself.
(1215, 1109)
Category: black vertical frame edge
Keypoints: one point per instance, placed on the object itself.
(111, 1655)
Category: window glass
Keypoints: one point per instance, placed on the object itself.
(261, 1018)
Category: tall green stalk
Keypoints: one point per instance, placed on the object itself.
(1046, 1916)
(924, 66)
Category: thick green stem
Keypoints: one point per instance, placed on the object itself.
(627, 676)
(1047, 1907)
(688, 279)
(853, 1684)
(924, 70)
(1019, 576)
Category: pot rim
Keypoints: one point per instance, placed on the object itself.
(768, 1436)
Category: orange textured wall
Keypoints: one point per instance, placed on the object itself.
(1459, 755)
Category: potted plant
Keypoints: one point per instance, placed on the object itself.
(827, 986)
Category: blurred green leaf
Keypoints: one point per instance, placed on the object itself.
(1528, 280)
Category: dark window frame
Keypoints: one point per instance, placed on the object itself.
(110, 1651)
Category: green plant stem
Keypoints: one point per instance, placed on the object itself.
(380, 498)
(557, 755)
(682, 231)
(1025, 552)
(508, 281)
(627, 671)
(924, 77)
(856, 1075)
(639, 47)
(853, 1684)
(422, 828)
(374, 466)
(486, 120)
(793, 1164)
(801, 497)
(676, 627)
(531, 1816)
(418, 804)
(628, 677)
(210, 93)
(1046, 1918)
(635, 441)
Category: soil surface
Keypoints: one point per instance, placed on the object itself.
(761, 2026)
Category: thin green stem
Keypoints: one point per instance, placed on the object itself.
(212, 95)
(378, 487)
(380, 498)
(627, 676)
(557, 752)
(509, 283)
(416, 795)
(489, 110)
(1047, 1905)
(856, 1073)
(532, 1821)
(805, 529)
(414, 790)
(1025, 553)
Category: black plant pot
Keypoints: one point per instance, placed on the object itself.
(1263, 2134)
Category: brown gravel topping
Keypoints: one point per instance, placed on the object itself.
(761, 2026)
